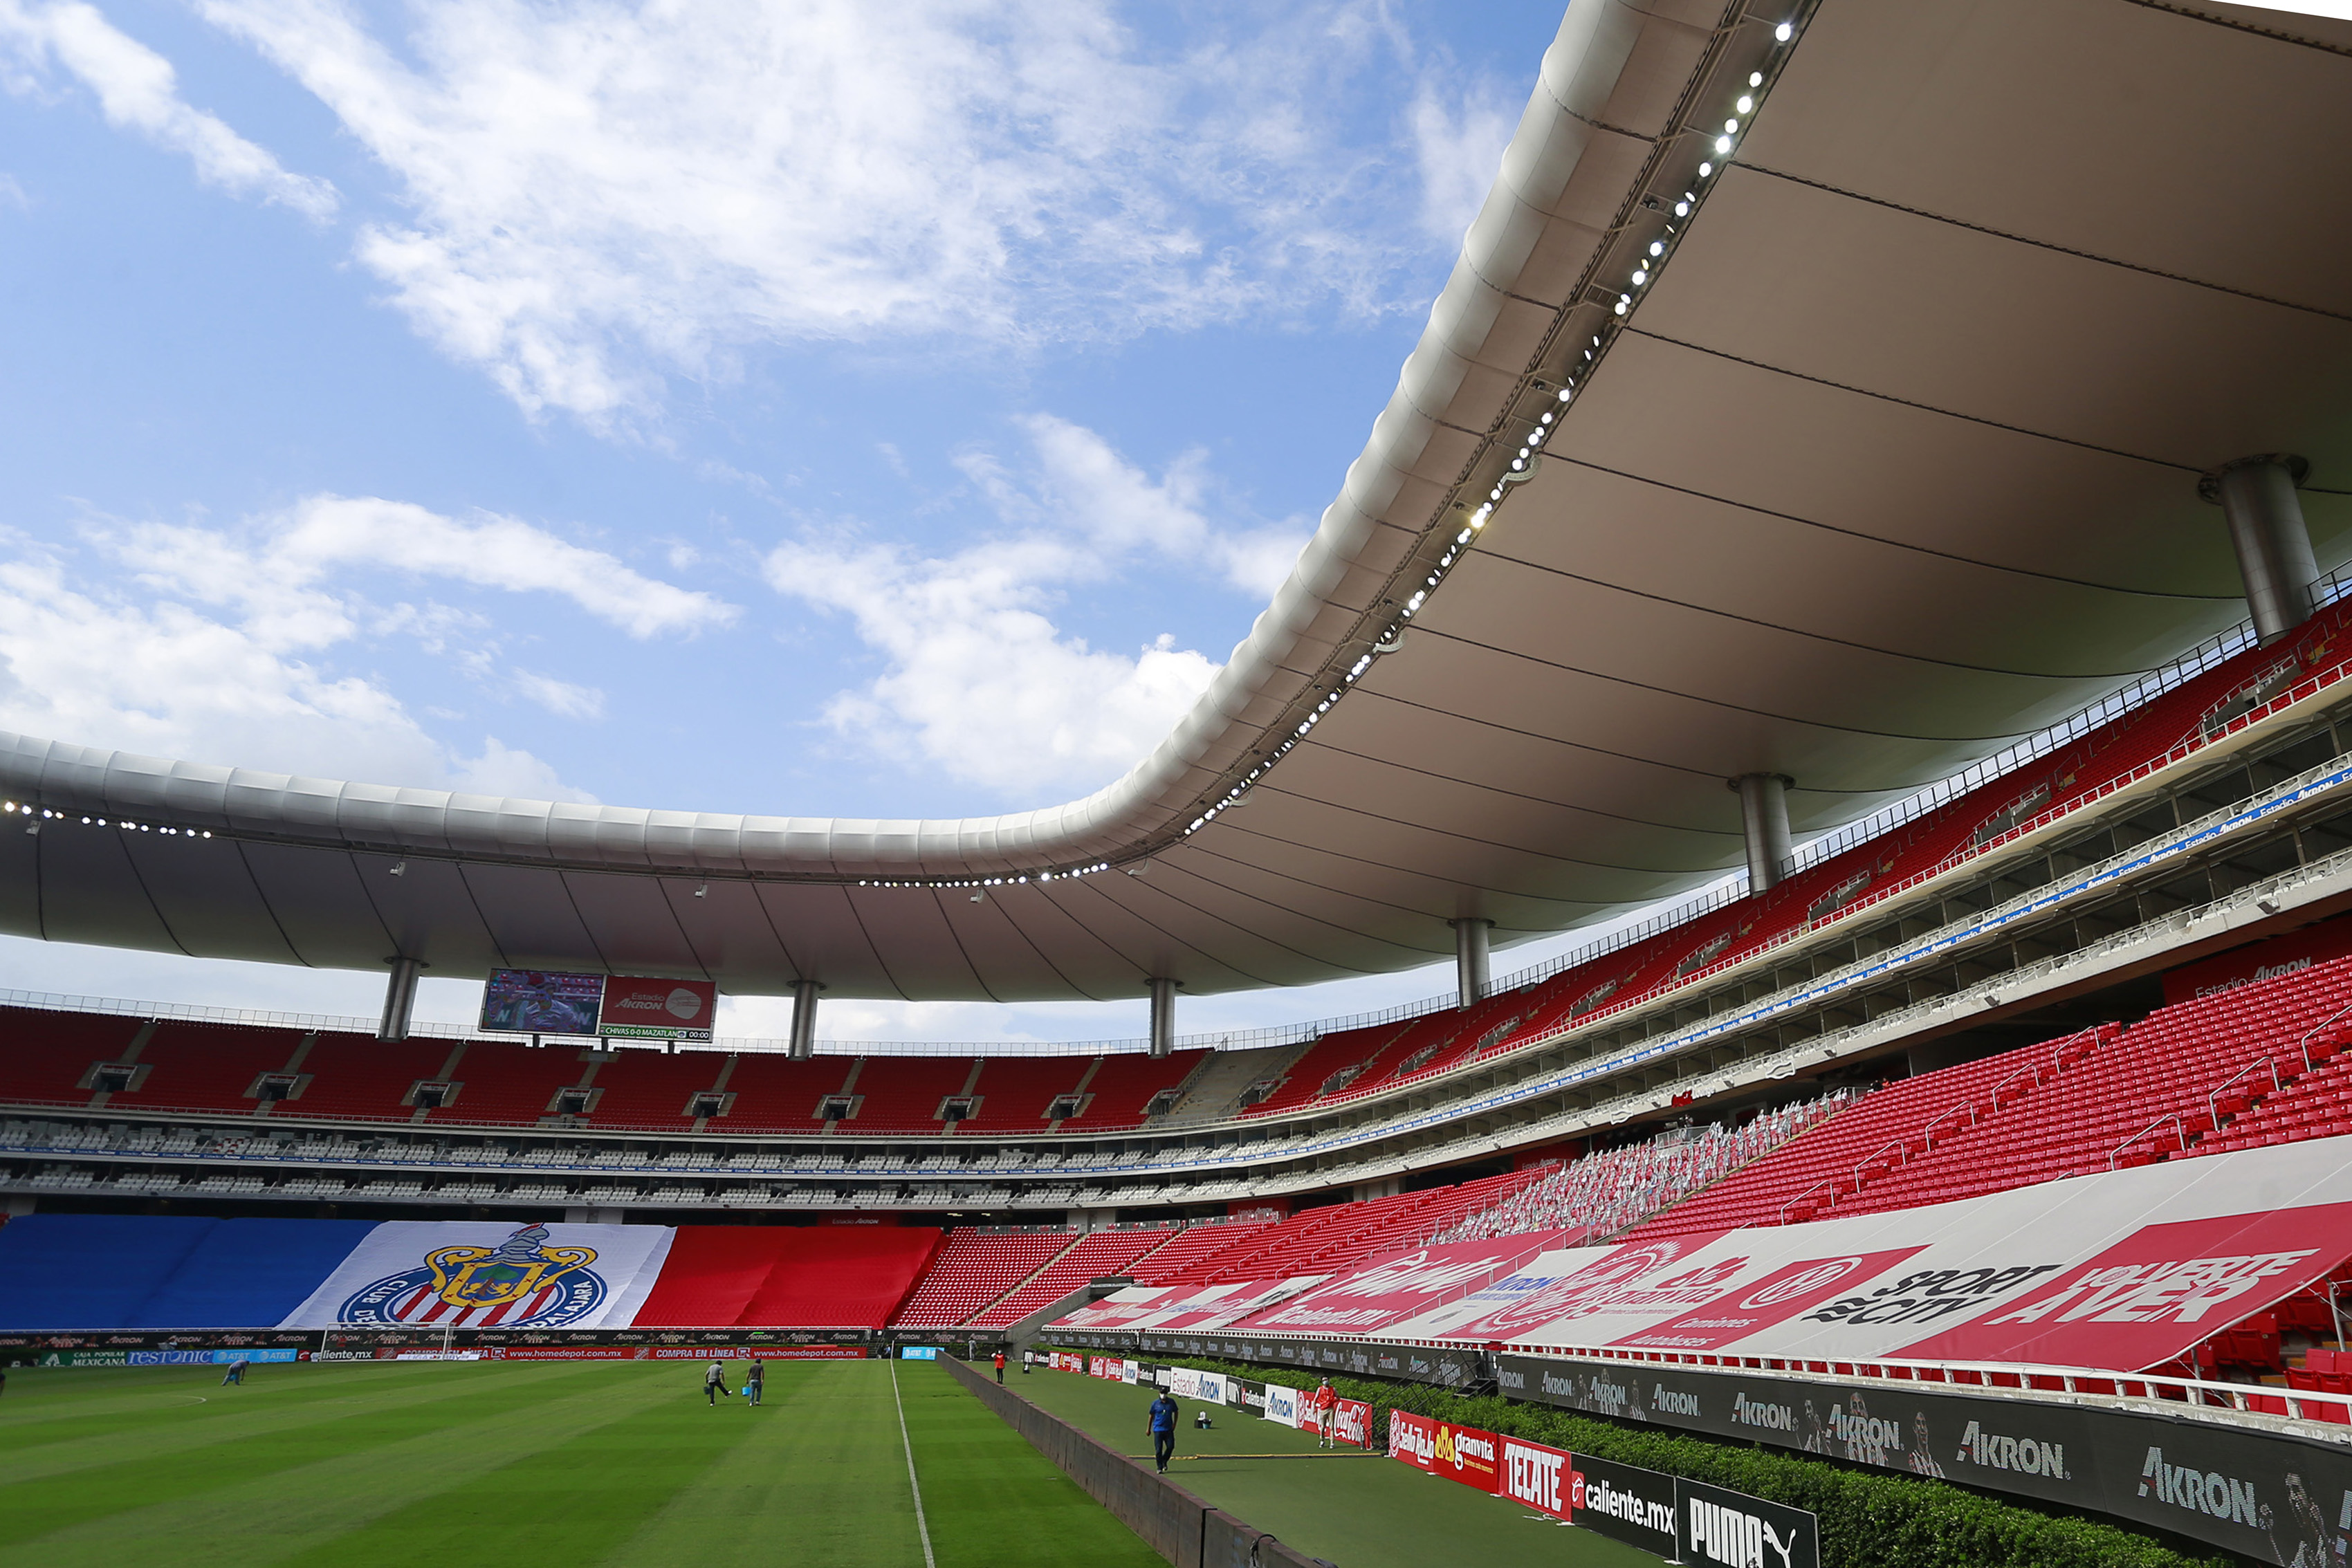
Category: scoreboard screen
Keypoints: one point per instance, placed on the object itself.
(541, 1001)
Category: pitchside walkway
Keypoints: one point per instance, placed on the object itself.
(1359, 1512)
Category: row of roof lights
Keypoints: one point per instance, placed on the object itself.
(1522, 466)
(985, 882)
(42, 815)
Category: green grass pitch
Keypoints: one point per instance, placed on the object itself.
(431, 1465)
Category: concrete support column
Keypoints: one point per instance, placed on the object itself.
(1764, 825)
(1470, 961)
(2257, 498)
(803, 1044)
(1163, 1017)
(399, 998)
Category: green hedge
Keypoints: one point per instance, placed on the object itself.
(1868, 1520)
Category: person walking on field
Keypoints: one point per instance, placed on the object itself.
(1163, 1430)
(1327, 1412)
(999, 1369)
(714, 1383)
(755, 1382)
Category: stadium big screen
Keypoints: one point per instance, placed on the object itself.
(541, 1001)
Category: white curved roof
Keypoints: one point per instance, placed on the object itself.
(1891, 457)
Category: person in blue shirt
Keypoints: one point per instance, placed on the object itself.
(1163, 1431)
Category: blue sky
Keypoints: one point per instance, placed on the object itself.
(820, 408)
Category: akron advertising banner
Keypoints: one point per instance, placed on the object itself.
(2266, 1496)
(2124, 1270)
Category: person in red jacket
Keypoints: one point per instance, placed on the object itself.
(1326, 1403)
(999, 1369)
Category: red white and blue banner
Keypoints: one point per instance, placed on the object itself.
(432, 1274)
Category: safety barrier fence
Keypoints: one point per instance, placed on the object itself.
(1172, 1521)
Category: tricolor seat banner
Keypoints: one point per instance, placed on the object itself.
(97, 1272)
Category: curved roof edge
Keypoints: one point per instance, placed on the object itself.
(1472, 360)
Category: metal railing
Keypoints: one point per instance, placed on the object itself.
(2179, 1129)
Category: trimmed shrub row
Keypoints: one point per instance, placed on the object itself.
(1868, 1520)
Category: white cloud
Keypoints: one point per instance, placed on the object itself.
(224, 660)
(980, 682)
(273, 571)
(561, 698)
(1459, 148)
(166, 680)
(600, 195)
(137, 89)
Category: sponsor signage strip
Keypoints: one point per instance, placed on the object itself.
(2269, 1497)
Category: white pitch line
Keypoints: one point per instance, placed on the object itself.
(921, 1526)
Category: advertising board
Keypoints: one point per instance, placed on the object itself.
(1209, 1387)
(918, 1352)
(1537, 1476)
(1730, 1530)
(1625, 1503)
(1281, 1403)
(541, 1001)
(2266, 1496)
(1463, 1454)
(637, 1007)
(1352, 1423)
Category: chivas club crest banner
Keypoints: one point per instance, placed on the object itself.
(427, 1274)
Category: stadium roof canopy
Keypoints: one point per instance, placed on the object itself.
(1890, 455)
